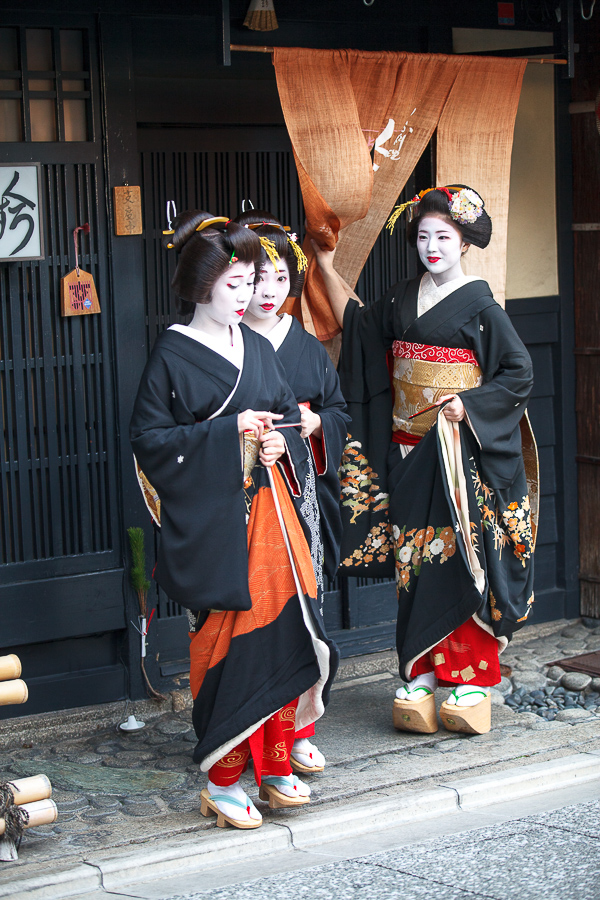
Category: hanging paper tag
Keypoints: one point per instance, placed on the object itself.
(78, 293)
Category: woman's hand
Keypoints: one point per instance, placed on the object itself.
(311, 423)
(454, 410)
(272, 446)
(255, 421)
(324, 257)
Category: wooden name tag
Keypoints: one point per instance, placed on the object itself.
(78, 292)
(128, 209)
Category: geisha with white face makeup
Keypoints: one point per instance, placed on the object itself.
(455, 461)
(321, 410)
(208, 435)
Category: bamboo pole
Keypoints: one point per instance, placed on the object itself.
(251, 48)
(10, 667)
(13, 692)
(27, 790)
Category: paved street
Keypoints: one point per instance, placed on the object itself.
(551, 856)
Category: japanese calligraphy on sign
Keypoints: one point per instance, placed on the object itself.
(21, 236)
(128, 210)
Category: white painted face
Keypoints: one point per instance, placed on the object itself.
(231, 294)
(440, 246)
(271, 289)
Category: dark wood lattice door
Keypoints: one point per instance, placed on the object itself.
(61, 597)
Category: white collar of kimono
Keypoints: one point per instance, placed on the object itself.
(430, 294)
(280, 331)
(232, 353)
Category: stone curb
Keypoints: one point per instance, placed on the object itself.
(195, 852)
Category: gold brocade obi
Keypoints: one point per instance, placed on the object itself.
(422, 375)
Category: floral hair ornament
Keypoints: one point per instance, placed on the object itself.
(233, 258)
(464, 206)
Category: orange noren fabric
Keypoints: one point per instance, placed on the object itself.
(341, 106)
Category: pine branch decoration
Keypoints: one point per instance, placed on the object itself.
(137, 574)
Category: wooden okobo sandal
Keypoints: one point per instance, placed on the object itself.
(416, 715)
(468, 719)
(208, 807)
(276, 799)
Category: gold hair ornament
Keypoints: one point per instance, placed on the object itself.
(215, 220)
(301, 260)
(271, 251)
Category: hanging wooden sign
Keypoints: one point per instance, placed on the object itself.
(128, 209)
(77, 289)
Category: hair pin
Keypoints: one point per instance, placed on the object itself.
(233, 258)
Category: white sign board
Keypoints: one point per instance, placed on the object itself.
(21, 236)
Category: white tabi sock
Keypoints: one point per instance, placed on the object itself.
(417, 688)
(467, 695)
(236, 792)
(307, 754)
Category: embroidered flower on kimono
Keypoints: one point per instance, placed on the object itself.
(513, 505)
(519, 513)
(436, 546)
(180, 459)
(429, 533)
(405, 554)
(420, 538)
(376, 542)
(395, 532)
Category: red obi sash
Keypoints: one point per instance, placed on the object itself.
(431, 353)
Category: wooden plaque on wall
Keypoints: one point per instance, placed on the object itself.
(128, 209)
(78, 292)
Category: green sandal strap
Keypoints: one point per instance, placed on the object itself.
(224, 798)
(468, 693)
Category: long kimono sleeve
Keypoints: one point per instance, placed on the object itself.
(196, 469)
(495, 409)
(327, 455)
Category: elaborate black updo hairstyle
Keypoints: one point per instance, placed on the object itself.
(205, 255)
(271, 228)
(436, 203)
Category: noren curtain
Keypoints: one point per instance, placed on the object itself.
(359, 121)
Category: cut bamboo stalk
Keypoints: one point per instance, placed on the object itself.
(13, 692)
(255, 48)
(41, 812)
(10, 667)
(28, 790)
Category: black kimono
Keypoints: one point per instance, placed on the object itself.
(258, 642)
(457, 510)
(314, 381)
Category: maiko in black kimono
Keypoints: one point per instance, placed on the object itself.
(314, 381)
(462, 510)
(231, 547)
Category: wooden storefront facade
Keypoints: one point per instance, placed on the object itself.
(155, 107)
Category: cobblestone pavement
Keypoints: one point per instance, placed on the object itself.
(114, 788)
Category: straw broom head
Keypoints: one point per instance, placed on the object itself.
(261, 16)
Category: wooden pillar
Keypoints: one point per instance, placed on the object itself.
(586, 242)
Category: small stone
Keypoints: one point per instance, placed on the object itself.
(587, 622)
(573, 631)
(140, 808)
(595, 685)
(505, 686)
(127, 759)
(571, 715)
(555, 673)
(575, 681)
(173, 726)
(191, 737)
(109, 747)
(529, 681)
(496, 697)
(85, 759)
